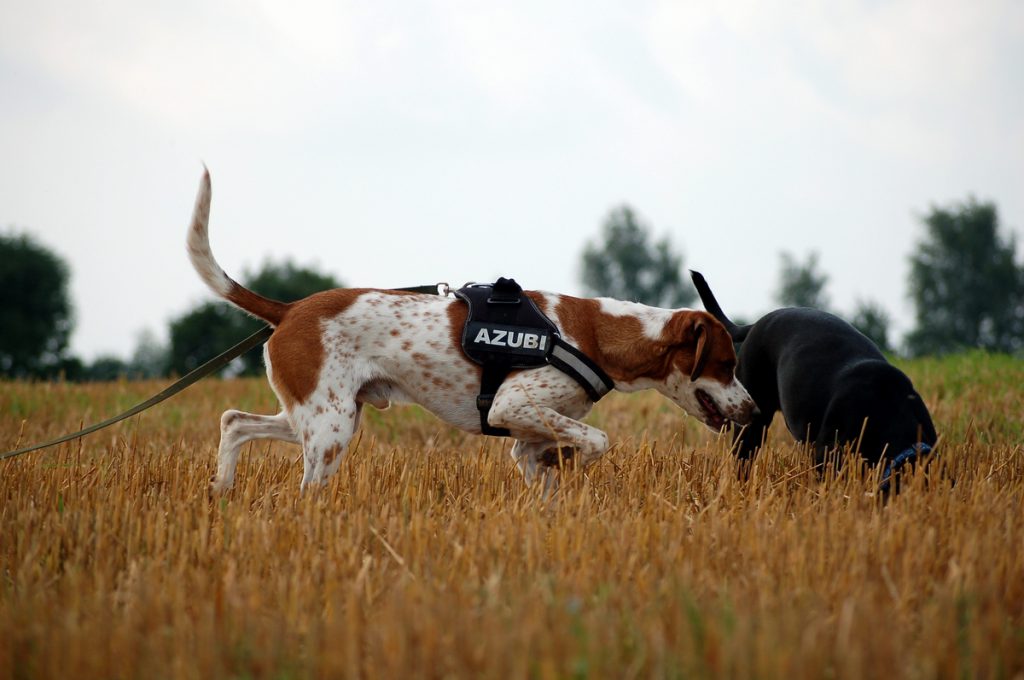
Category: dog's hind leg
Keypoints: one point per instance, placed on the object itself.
(237, 428)
(326, 433)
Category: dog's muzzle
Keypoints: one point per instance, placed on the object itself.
(746, 413)
(713, 416)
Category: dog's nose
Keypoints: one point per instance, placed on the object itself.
(747, 412)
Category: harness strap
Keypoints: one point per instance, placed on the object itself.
(566, 358)
(581, 368)
(493, 376)
(506, 331)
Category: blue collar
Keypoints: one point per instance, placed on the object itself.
(910, 454)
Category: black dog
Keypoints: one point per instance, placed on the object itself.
(832, 384)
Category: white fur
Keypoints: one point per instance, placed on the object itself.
(652, 318)
(198, 243)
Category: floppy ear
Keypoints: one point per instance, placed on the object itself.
(703, 351)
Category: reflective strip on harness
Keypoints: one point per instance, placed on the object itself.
(580, 368)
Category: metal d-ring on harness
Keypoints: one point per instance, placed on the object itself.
(505, 331)
(211, 366)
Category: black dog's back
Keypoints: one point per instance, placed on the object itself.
(827, 378)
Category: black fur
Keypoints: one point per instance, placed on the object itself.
(826, 378)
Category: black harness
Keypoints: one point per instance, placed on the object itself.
(505, 330)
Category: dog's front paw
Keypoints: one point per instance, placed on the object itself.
(218, 486)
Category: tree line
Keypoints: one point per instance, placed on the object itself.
(36, 320)
(965, 283)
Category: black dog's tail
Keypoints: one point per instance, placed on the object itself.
(738, 333)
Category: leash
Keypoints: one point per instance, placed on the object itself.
(193, 376)
(214, 364)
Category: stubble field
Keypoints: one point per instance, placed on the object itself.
(426, 557)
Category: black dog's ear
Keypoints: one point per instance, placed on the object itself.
(703, 351)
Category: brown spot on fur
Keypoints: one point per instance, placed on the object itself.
(704, 346)
(407, 345)
(617, 343)
(394, 332)
(331, 453)
(621, 347)
(296, 348)
(269, 310)
(576, 317)
(539, 299)
(457, 313)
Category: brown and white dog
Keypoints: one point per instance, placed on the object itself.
(337, 350)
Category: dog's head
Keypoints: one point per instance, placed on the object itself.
(702, 371)
(686, 355)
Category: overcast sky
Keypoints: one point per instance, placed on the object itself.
(395, 144)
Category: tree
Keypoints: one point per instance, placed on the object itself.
(205, 332)
(150, 358)
(802, 285)
(873, 321)
(35, 311)
(625, 265)
(105, 368)
(965, 284)
(211, 328)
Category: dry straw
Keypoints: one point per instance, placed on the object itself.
(425, 557)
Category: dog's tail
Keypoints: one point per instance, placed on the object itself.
(738, 333)
(198, 244)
